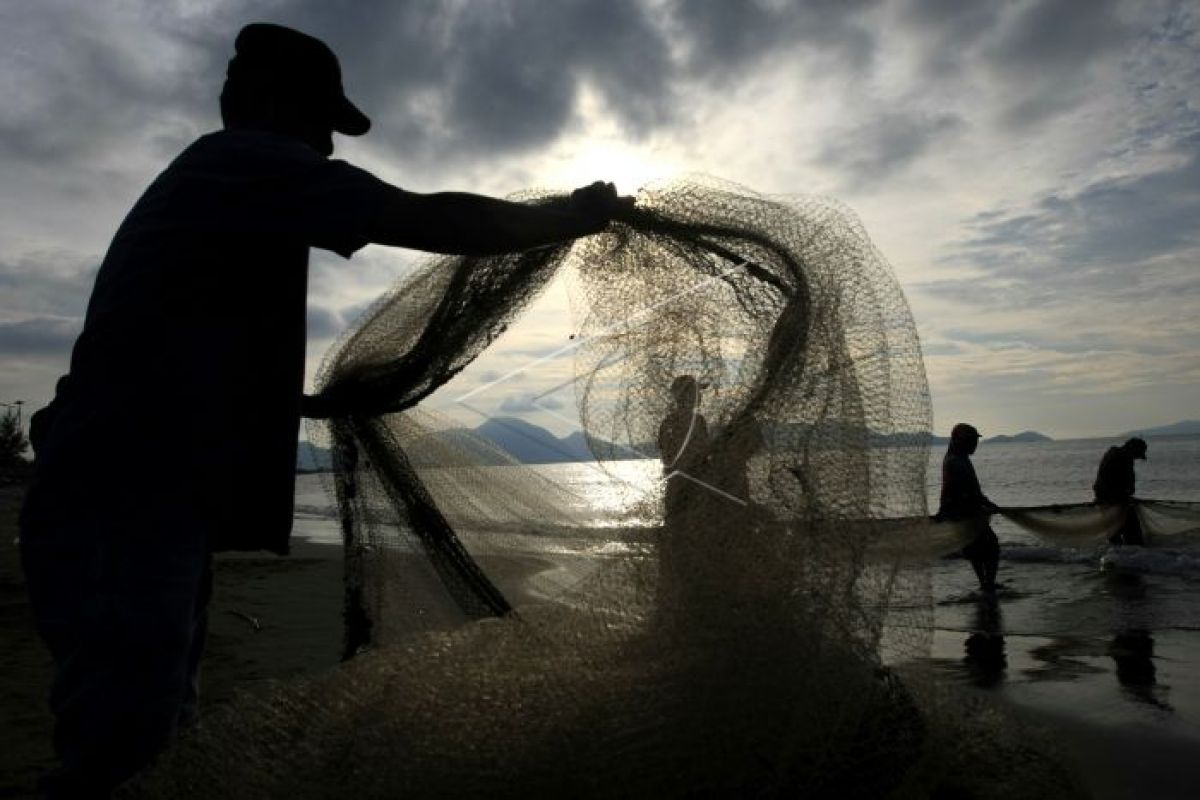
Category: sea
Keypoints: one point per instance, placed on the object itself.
(1108, 636)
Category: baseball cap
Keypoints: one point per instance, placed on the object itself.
(964, 431)
(302, 68)
(1137, 446)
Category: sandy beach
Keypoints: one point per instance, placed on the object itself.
(278, 618)
(272, 618)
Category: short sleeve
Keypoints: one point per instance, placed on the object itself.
(258, 184)
(333, 205)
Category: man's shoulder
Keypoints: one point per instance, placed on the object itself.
(1112, 454)
(249, 147)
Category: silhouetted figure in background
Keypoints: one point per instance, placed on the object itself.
(1115, 486)
(683, 441)
(176, 433)
(683, 445)
(962, 500)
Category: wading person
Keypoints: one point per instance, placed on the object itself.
(175, 432)
(962, 500)
(1115, 486)
(683, 445)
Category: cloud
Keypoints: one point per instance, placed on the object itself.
(323, 323)
(1049, 37)
(39, 336)
(458, 80)
(72, 65)
(47, 282)
(1026, 165)
(722, 37)
(880, 146)
(1129, 239)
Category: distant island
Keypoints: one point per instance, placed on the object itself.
(1018, 438)
(1024, 437)
(1185, 427)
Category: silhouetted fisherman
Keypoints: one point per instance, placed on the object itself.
(1115, 486)
(683, 439)
(175, 434)
(962, 500)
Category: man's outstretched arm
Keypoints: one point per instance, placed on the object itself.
(458, 223)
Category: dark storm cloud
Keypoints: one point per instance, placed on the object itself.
(1038, 57)
(459, 79)
(86, 80)
(721, 36)
(1045, 54)
(1055, 36)
(448, 80)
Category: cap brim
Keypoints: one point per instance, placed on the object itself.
(349, 120)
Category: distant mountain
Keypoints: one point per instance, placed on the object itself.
(1185, 427)
(1019, 438)
(531, 444)
(527, 443)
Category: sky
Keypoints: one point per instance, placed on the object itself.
(1029, 168)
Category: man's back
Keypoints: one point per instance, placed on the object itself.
(961, 495)
(184, 390)
(1115, 481)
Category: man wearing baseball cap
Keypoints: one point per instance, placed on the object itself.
(1115, 486)
(175, 433)
(963, 500)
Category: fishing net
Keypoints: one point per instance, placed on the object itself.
(1075, 525)
(723, 630)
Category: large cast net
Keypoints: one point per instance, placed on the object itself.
(722, 630)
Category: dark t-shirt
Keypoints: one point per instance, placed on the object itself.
(962, 497)
(1115, 481)
(184, 388)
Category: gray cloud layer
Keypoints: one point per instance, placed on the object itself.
(1129, 238)
(99, 96)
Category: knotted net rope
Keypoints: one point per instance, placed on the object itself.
(722, 631)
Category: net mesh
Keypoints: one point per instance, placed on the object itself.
(723, 630)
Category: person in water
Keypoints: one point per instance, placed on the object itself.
(175, 433)
(1115, 486)
(962, 500)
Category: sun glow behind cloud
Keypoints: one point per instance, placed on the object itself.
(1029, 168)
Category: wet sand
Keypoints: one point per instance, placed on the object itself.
(276, 618)
(1124, 710)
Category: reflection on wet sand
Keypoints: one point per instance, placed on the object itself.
(985, 660)
(1132, 646)
(1133, 653)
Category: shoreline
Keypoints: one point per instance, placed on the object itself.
(297, 604)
